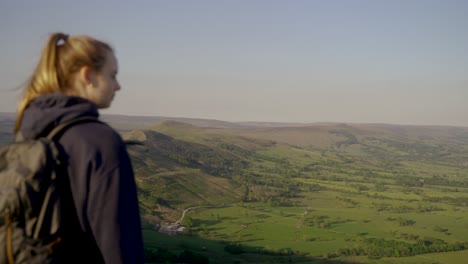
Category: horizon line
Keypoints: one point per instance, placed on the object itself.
(275, 122)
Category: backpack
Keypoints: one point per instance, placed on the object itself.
(30, 213)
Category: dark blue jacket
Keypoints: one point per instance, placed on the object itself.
(103, 221)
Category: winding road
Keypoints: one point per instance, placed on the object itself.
(208, 206)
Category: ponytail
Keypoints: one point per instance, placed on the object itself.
(44, 79)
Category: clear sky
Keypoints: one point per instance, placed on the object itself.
(356, 61)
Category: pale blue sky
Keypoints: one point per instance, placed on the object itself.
(357, 61)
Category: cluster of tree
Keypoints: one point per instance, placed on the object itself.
(408, 181)
(445, 181)
(272, 189)
(405, 222)
(350, 137)
(380, 187)
(408, 236)
(161, 255)
(402, 221)
(401, 208)
(314, 187)
(381, 197)
(457, 201)
(320, 221)
(377, 248)
(416, 150)
(412, 181)
(328, 177)
(441, 229)
(424, 208)
(238, 249)
(347, 200)
(212, 160)
(382, 154)
(235, 149)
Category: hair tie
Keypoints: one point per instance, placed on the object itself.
(62, 39)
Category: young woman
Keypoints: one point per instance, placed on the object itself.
(76, 76)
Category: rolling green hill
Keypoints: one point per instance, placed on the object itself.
(317, 193)
(409, 185)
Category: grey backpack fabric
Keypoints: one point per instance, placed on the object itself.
(30, 218)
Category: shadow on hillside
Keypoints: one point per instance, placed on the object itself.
(166, 249)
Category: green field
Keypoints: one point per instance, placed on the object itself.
(359, 199)
(330, 193)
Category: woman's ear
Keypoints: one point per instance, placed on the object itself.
(85, 76)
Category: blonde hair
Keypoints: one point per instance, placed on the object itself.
(61, 58)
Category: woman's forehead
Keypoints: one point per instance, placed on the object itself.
(112, 62)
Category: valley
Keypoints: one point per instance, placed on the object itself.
(317, 193)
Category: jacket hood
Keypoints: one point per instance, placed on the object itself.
(49, 110)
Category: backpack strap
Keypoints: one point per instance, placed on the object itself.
(60, 128)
